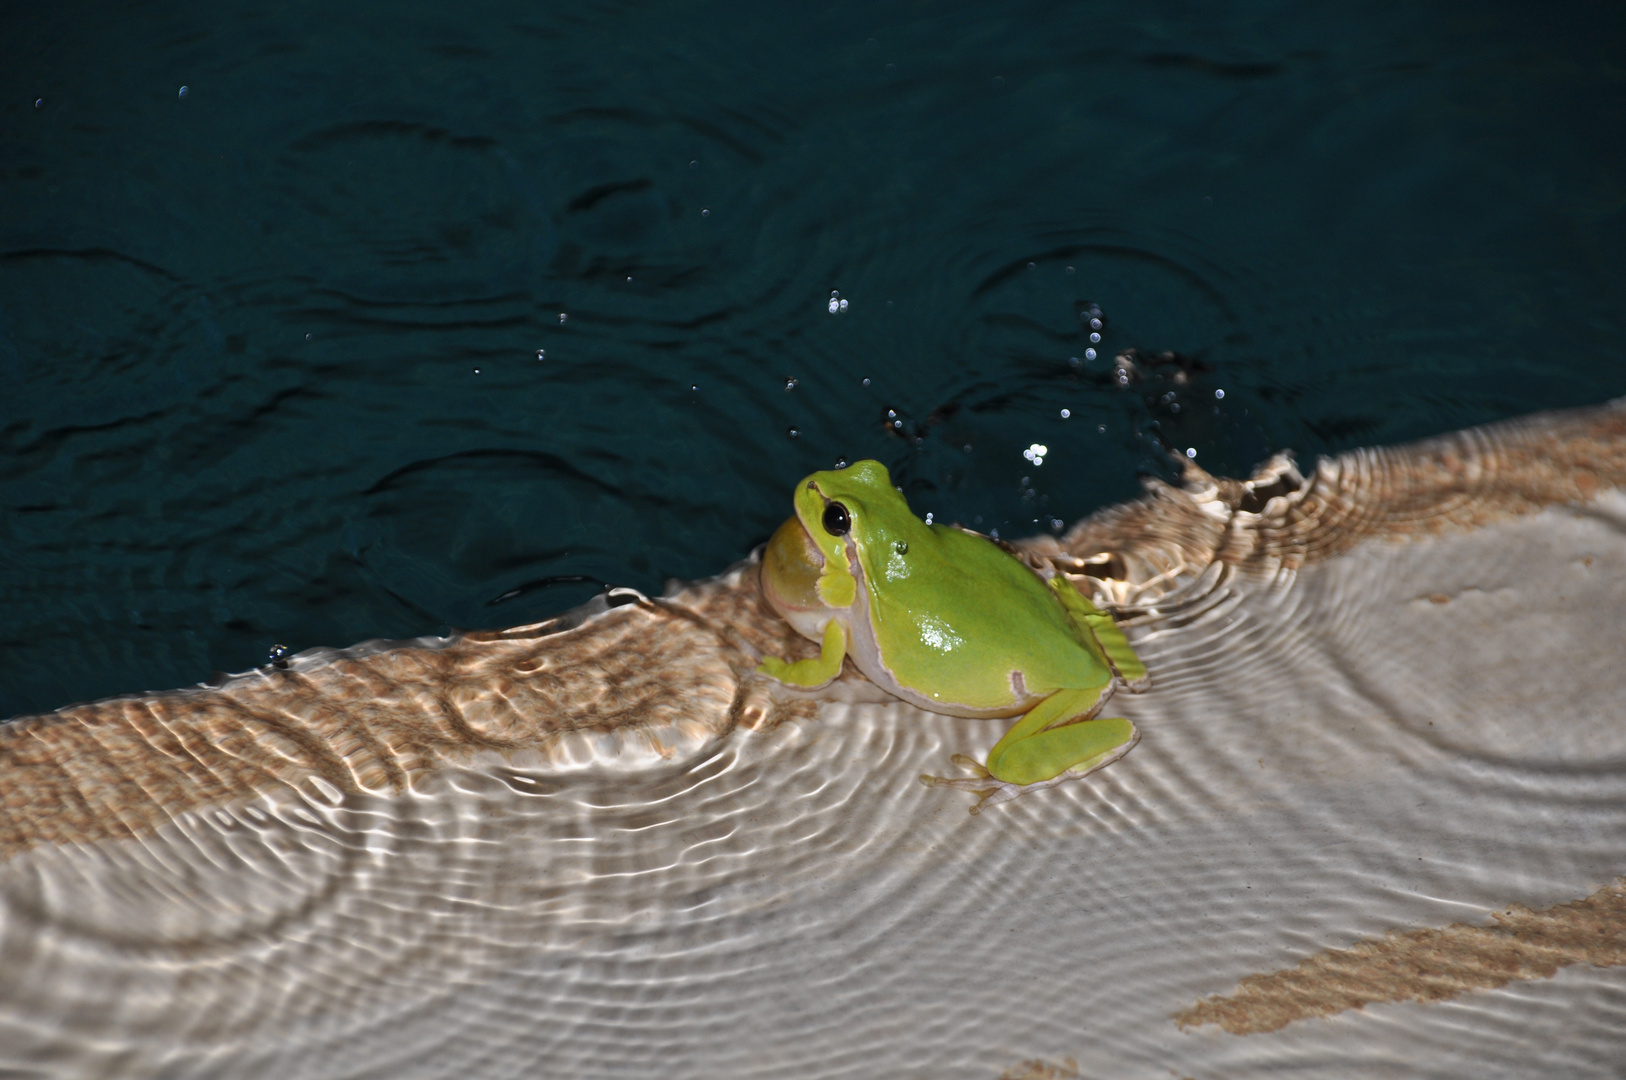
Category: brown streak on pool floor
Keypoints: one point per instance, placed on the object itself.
(1426, 965)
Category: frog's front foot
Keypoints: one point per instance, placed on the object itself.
(993, 791)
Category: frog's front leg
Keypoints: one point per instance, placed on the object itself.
(1034, 753)
(815, 672)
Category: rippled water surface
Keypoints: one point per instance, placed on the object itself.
(319, 325)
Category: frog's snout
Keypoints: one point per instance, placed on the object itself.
(791, 564)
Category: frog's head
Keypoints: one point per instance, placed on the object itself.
(812, 564)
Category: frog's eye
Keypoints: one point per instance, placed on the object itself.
(836, 521)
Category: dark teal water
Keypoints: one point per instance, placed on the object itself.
(398, 310)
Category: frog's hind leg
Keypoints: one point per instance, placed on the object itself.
(1042, 745)
(1039, 750)
(1104, 634)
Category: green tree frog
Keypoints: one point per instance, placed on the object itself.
(948, 620)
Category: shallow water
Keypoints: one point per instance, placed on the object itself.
(792, 901)
(399, 311)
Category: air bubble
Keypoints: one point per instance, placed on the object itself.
(1219, 395)
(1191, 451)
(1095, 324)
(184, 91)
(1089, 354)
(705, 213)
(562, 318)
(793, 433)
(541, 354)
(1065, 413)
(1035, 454)
(790, 384)
(1095, 337)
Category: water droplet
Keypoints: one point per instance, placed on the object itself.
(1219, 395)
(1065, 413)
(793, 433)
(790, 383)
(184, 91)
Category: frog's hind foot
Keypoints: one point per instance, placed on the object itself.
(981, 783)
(993, 791)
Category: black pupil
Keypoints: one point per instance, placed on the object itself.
(836, 522)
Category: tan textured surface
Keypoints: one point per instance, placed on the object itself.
(374, 720)
(1426, 965)
(1281, 518)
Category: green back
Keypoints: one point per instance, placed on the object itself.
(954, 613)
